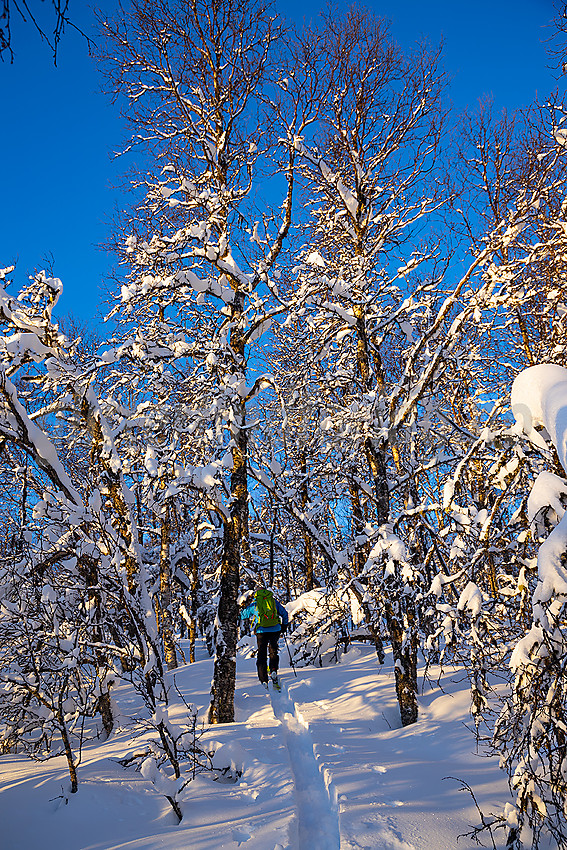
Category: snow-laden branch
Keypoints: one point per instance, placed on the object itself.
(539, 399)
(30, 437)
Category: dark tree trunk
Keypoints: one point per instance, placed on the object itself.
(88, 569)
(104, 707)
(165, 618)
(307, 545)
(72, 767)
(235, 542)
(404, 649)
(405, 666)
(376, 458)
(195, 584)
(224, 677)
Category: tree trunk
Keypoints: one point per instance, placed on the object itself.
(405, 666)
(67, 746)
(194, 606)
(226, 631)
(88, 569)
(404, 650)
(376, 458)
(165, 618)
(104, 707)
(235, 542)
(307, 545)
(359, 557)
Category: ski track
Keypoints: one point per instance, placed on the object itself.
(316, 798)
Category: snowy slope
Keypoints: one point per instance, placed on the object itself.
(324, 765)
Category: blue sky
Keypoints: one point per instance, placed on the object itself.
(59, 131)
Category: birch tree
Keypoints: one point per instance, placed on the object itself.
(367, 168)
(204, 90)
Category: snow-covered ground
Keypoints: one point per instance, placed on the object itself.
(325, 764)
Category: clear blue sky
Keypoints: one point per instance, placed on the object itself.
(58, 130)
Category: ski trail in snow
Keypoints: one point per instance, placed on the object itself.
(317, 809)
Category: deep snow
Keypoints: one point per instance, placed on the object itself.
(324, 758)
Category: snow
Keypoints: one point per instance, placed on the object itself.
(551, 569)
(317, 805)
(521, 654)
(470, 599)
(539, 399)
(348, 198)
(315, 259)
(151, 462)
(25, 345)
(325, 764)
(204, 477)
(546, 492)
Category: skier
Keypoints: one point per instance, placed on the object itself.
(269, 620)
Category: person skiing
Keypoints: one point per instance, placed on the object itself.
(269, 620)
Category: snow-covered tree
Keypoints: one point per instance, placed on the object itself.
(203, 90)
(530, 731)
(387, 324)
(76, 612)
(488, 582)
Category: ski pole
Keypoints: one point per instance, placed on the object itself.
(289, 653)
